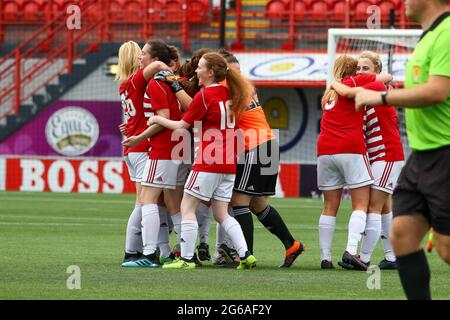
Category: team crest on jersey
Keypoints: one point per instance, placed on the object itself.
(416, 70)
(72, 131)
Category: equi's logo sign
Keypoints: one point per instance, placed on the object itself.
(72, 131)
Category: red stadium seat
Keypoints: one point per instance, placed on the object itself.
(116, 10)
(61, 6)
(339, 8)
(32, 10)
(174, 10)
(319, 9)
(12, 9)
(197, 10)
(174, 5)
(156, 10)
(301, 8)
(276, 9)
(134, 9)
(385, 7)
(156, 5)
(360, 9)
(397, 3)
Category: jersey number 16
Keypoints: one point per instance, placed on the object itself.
(227, 118)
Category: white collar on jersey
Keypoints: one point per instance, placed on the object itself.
(214, 85)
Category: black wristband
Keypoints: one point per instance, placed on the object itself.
(384, 97)
(176, 86)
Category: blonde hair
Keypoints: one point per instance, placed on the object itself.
(374, 58)
(343, 66)
(128, 60)
(241, 89)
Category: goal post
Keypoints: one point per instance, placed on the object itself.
(353, 41)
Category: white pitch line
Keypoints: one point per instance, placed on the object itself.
(69, 224)
(46, 199)
(15, 216)
(49, 224)
(108, 202)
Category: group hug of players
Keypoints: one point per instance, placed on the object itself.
(206, 98)
(201, 105)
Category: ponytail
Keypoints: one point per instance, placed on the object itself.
(241, 90)
(343, 66)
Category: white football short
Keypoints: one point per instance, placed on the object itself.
(136, 163)
(346, 169)
(160, 173)
(386, 174)
(206, 185)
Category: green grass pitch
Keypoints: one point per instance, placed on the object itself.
(41, 234)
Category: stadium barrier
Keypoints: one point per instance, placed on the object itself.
(107, 175)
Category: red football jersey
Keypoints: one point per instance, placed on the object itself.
(341, 127)
(214, 130)
(132, 97)
(381, 129)
(159, 96)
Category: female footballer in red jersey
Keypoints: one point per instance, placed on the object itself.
(160, 172)
(386, 158)
(212, 114)
(256, 178)
(135, 70)
(188, 82)
(342, 160)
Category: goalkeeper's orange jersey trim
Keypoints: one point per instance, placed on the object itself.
(254, 124)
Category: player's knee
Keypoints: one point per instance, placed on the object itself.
(375, 207)
(330, 209)
(444, 251)
(172, 206)
(257, 208)
(397, 235)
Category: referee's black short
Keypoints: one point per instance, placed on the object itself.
(257, 170)
(424, 187)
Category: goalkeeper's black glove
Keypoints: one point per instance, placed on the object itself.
(169, 78)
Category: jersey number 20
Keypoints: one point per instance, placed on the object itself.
(128, 107)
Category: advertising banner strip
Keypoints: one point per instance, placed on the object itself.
(91, 175)
(300, 67)
(68, 175)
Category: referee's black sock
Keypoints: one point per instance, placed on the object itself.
(415, 275)
(273, 222)
(244, 217)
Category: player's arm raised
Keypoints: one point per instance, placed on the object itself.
(384, 77)
(153, 68)
(344, 90)
(172, 80)
(184, 98)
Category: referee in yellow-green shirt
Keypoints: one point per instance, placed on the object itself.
(422, 196)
